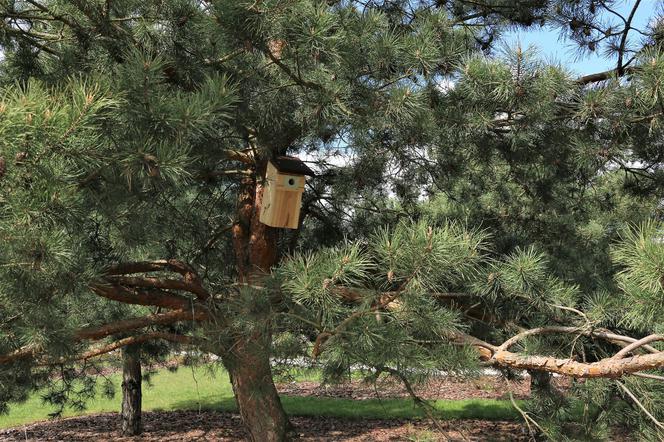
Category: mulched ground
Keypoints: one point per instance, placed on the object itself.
(217, 426)
(484, 387)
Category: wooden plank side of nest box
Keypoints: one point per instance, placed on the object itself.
(282, 199)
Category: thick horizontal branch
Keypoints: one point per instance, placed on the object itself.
(605, 368)
(127, 268)
(158, 283)
(603, 76)
(191, 277)
(154, 297)
(138, 339)
(614, 367)
(355, 294)
(100, 332)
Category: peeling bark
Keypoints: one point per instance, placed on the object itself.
(606, 368)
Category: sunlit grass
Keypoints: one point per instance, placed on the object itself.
(206, 388)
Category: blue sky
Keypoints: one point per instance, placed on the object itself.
(553, 49)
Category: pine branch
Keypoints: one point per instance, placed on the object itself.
(620, 339)
(605, 368)
(237, 155)
(623, 40)
(136, 339)
(192, 279)
(296, 78)
(603, 76)
(154, 297)
(158, 283)
(635, 345)
(59, 17)
(640, 405)
(103, 331)
(539, 331)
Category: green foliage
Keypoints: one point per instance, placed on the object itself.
(477, 191)
(641, 260)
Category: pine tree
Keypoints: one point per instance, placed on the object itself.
(135, 136)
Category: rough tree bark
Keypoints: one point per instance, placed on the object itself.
(131, 390)
(248, 358)
(249, 369)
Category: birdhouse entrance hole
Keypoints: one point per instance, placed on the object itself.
(282, 194)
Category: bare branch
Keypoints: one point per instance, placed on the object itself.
(424, 405)
(526, 418)
(623, 40)
(237, 155)
(605, 368)
(154, 297)
(190, 275)
(538, 331)
(603, 76)
(640, 343)
(159, 283)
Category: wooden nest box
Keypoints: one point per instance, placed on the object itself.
(282, 194)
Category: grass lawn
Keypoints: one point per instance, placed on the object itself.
(199, 388)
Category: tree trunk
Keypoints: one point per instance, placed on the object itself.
(248, 358)
(248, 365)
(131, 391)
(540, 381)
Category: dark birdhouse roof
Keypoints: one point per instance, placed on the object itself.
(292, 165)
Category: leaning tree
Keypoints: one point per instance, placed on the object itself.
(135, 140)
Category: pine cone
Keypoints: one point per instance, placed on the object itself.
(151, 164)
(276, 47)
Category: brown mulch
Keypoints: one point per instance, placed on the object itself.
(484, 387)
(221, 426)
(218, 426)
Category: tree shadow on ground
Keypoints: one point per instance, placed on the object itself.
(208, 425)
